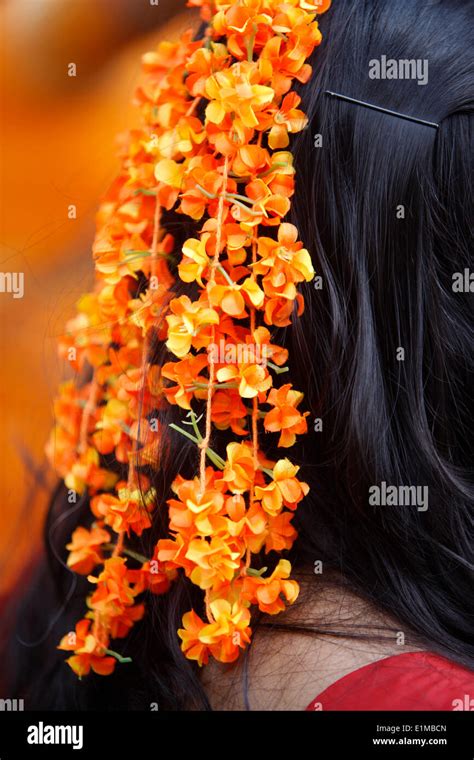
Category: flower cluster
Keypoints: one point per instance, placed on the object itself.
(231, 171)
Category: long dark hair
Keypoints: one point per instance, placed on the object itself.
(384, 205)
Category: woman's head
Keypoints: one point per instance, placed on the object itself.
(385, 347)
(383, 351)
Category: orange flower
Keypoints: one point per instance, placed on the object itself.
(185, 325)
(237, 22)
(85, 549)
(170, 173)
(276, 354)
(229, 632)
(86, 472)
(229, 411)
(250, 159)
(281, 535)
(202, 64)
(193, 648)
(286, 119)
(113, 592)
(240, 467)
(185, 374)
(291, 489)
(129, 510)
(201, 187)
(285, 489)
(223, 638)
(284, 261)
(172, 554)
(195, 260)
(279, 310)
(249, 525)
(237, 91)
(213, 560)
(89, 652)
(285, 417)
(152, 576)
(266, 205)
(230, 298)
(111, 427)
(270, 497)
(195, 511)
(141, 389)
(119, 625)
(268, 592)
(252, 378)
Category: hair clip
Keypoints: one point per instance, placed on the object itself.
(382, 110)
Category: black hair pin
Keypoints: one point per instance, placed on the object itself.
(382, 110)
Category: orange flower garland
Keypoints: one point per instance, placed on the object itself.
(220, 172)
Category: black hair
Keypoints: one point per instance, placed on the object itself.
(384, 206)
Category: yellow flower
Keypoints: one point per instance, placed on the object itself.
(252, 378)
(186, 323)
(239, 470)
(214, 561)
(291, 489)
(169, 172)
(195, 260)
(230, 299)
(229, 631)
(237, 91)
(268, 592)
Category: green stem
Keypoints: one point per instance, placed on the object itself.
(256, 573)
(278, 370)
(246, 208)
(225, 274)
(215, 458)
(131, 255)
(234, 198)
(216, 386)
(272, 168)
(144, 191)
(184, 432)
(206, 192)
(247, 177)
(250, 43)
(118, 656)
(195, 426)
(239, 197)
(134, 555)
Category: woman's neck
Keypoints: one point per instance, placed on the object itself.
(326, 634)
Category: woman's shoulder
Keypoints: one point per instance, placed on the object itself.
(408, 681)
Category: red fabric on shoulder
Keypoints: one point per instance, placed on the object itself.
(410, 681)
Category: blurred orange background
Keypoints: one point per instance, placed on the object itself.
(58, 148)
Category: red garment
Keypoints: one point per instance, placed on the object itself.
(410, 681)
